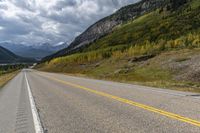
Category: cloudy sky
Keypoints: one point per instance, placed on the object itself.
(53, 21)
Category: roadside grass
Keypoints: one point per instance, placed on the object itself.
(153, 72)
(5, 78)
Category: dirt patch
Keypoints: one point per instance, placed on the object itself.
(186, 70)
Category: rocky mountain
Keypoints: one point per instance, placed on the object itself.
(7, 56)
(34, 51)
(107, 24)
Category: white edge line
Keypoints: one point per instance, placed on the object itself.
(36, 119)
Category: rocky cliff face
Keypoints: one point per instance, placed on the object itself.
(106, 25)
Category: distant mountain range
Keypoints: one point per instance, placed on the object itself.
(36, 51)
(7, 56)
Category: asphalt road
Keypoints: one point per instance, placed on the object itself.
(67, 104)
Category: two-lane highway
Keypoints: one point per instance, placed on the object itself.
(80, 105)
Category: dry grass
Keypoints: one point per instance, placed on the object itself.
(160, 71)
(7, 77)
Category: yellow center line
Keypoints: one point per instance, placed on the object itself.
(136, 104)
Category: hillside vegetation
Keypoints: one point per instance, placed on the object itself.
(160, 48)
(106, 25)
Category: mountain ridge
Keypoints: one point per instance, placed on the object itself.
(107, 24)
(7, 57)
(33, 51)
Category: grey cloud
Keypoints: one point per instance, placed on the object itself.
(35, 21)
(14, 27)
(62, 4)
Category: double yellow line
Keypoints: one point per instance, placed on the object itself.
(136, 104)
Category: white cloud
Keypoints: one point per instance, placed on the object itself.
(1, 28)
(35, 21)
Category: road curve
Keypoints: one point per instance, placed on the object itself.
(80, 105)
